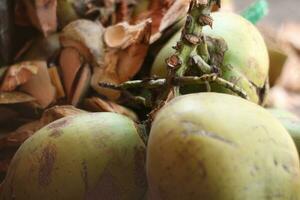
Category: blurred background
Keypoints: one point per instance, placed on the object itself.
(279, 11)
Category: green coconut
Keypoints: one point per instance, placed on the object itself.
(246, 62)
(220, 147)
(290, 121)
(88, 156)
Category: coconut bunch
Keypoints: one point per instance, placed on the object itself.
(136, 63)
(55, 53)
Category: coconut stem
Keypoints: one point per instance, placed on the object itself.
(177, 81)
(191, 37)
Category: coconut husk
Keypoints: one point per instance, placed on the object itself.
(96, 104)
(127, 49)
(15, 97)
(40, 13)
(19, 74)
(86, 37)
(56, 82)
(40, 86)
(7, 32)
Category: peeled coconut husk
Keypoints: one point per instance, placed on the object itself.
(127, 49)
(40, 86)
(19, 74)
(41, 14)
(96, 104)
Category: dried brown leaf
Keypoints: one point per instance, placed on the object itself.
(18, 74)
(40, 87)
(42, 14)
(15, 97)
(96, 104)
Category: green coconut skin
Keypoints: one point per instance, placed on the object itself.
(246, 62)
(89, 156)
(220, 147)
(291, 122)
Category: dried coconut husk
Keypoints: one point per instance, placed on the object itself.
(56, 82)
(41, 48)
(163, 15)
(57, 112)
(40, 86)
(127, 49)
(96, 104)
(174, 14)
(19, 74)
(82, 86)
(7, 32)
(70, 62)
(86, 37)
(15, 97)
(40, 13)
(7, 114)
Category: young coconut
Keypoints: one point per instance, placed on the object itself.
(245, 63)
(88, 156)
(291, 122)
(200, 149)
